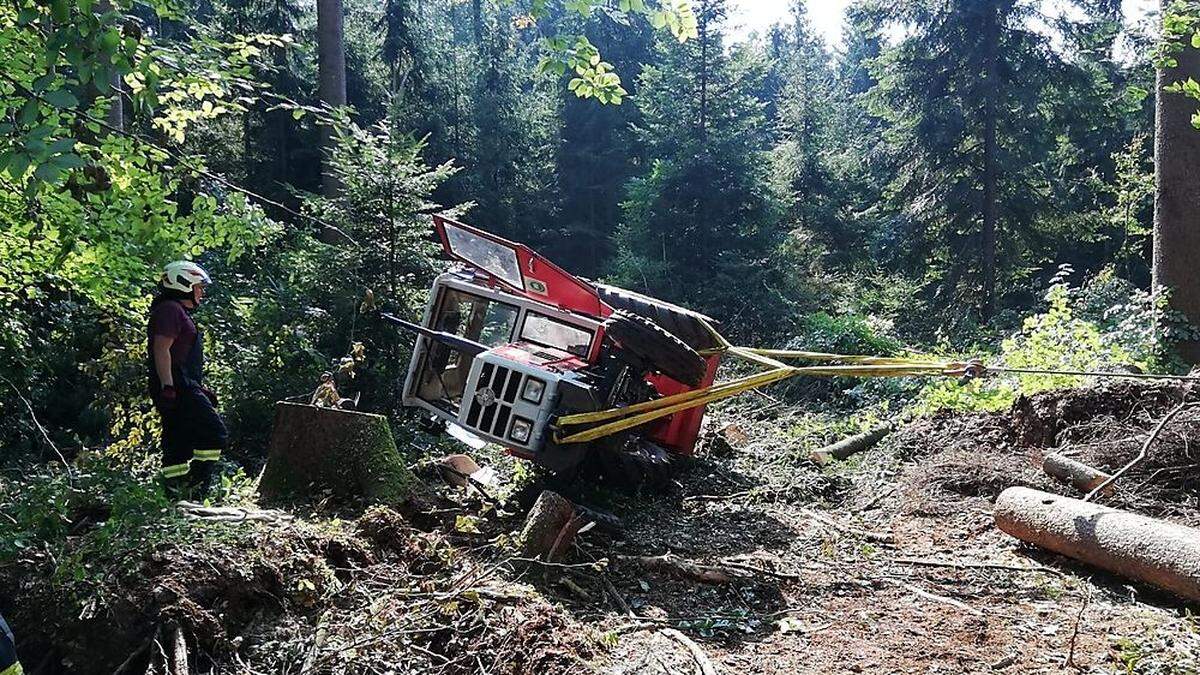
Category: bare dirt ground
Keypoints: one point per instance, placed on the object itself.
(949, 593)
(886, 563)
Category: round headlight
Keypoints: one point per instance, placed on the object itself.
(533, 390)
(520, 430)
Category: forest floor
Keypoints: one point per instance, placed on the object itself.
(888, 562)
(949, 592)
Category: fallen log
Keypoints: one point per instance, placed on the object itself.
(1085, 478)
(350, 455)
(1154, 551)
(852, 445)
(673, 565)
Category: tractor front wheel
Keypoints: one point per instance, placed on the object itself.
(653, 345)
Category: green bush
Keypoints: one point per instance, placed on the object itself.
(1104, 325)
(845, 334)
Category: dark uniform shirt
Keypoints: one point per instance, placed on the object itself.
(170, 319)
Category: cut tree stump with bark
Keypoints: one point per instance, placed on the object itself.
(1067, 470)
(852, 445)
(349, 454)
(1154, 551)
(549, 527)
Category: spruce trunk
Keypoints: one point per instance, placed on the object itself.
(331, 73)
(1177, 193)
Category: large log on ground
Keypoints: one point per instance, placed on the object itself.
(349, 454)
(1067, 470)
(849, 446)
(1154, 551)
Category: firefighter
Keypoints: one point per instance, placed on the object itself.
(193, 434)
(8, 652)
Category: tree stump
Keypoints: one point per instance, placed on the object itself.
(349, 454)
(549, 527)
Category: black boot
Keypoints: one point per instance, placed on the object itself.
(202, 480)
(177, 488)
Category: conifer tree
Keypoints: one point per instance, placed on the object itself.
(699, 225)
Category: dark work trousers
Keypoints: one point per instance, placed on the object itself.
(193, 433)
(193, 436)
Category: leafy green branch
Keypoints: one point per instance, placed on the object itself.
(1181, 30)
(594, 77)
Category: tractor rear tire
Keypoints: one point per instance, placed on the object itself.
(688, 326)
(653, 345)
(630, 465)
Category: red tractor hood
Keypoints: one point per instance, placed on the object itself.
(519, 268)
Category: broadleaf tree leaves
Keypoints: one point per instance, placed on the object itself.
(61, 145)
(29, 113)
(675, 15)
(61, 98)
(48, 172)
(19, 165)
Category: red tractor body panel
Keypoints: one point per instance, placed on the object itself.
(539, 279)
(681, 430)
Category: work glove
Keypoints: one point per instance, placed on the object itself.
(168, 398)
(210, 395)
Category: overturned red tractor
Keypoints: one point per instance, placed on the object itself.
(511, 343)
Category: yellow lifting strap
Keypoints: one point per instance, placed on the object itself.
(648, 411)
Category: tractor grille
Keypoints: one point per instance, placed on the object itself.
(492, 418)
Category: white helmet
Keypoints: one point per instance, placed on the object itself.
(182, 275)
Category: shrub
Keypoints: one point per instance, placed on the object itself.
(1105, 325)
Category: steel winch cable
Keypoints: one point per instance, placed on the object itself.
(1092, 373)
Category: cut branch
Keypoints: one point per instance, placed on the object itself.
(1142, 454)
(698, 655)
(852, 445)
(1078, 474)
(672, 564)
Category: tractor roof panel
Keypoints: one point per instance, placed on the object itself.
(518, 268)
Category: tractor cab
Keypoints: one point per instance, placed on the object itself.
(502, 393)
(509, 342)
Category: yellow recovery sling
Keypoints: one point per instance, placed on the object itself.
(852, 366)
(620, 419)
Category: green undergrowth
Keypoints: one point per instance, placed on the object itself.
(1101, 326)
(1104, 324)
(82, 529)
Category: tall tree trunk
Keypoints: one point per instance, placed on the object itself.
(477, 22)
(116, 112)
(331, 71)
(1177, 193)
(987, 252)
(282, 123)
